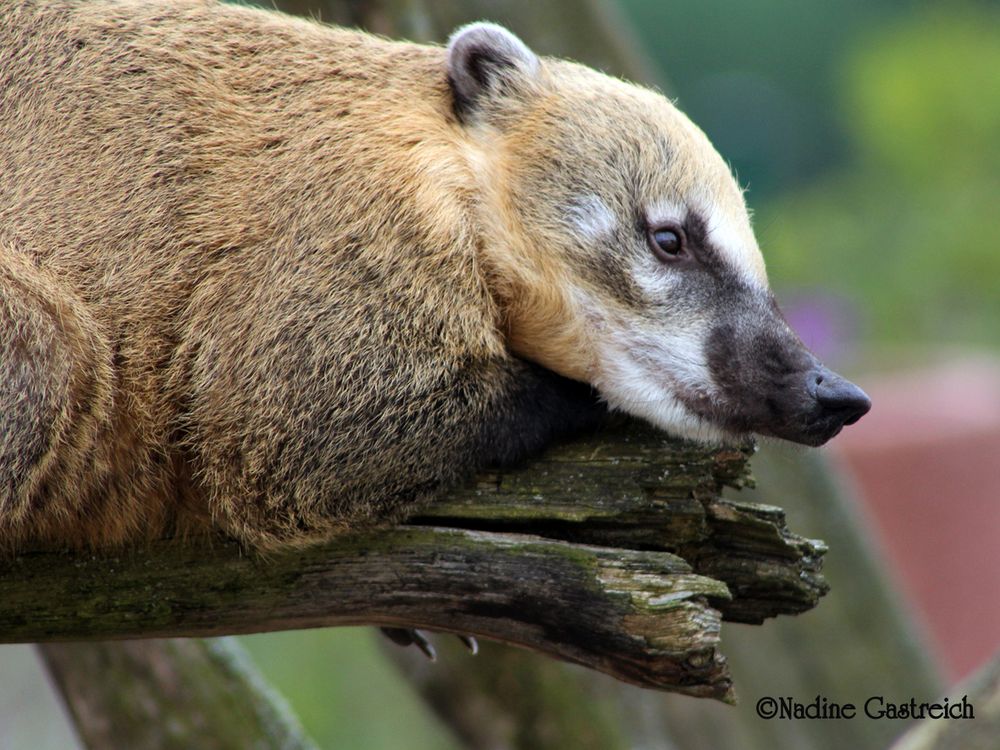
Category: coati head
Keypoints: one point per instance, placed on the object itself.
(620, 248)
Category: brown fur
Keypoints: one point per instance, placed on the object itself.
(239, 276)
(269, 275)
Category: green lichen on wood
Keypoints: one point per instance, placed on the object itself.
(615, 552)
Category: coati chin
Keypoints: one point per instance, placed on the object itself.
(285, 280)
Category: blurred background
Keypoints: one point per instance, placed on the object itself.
(867, 134)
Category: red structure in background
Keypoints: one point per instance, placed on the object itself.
(927, 459)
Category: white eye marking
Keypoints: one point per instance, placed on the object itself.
(591, 217)
(731, 237)
(666, 212)
(737, 246)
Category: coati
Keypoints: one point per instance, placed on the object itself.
(287, 280)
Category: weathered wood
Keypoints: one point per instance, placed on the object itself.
(860, 642)
(591, 553)
(632, 487)
(170, 695)
(642, 616)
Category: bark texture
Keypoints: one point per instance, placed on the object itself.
(615, 552)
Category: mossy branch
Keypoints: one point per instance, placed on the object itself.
(615, 552)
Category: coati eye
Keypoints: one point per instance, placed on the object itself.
(667, 243)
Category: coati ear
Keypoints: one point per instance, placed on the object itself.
(484, 60)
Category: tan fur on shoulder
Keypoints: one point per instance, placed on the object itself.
(190, 180)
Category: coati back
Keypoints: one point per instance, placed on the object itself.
(291, 280)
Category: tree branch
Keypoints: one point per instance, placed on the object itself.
(161, 695)
(614, 552)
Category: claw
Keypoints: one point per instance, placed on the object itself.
(414, 637)
(411, 637)
(470, 643)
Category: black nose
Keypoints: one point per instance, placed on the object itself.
(840, 398)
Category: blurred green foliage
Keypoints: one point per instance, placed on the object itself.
(924, 97)
(908, 229)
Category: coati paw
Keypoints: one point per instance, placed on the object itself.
(414, 637)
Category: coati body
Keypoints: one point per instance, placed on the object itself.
(290, 280)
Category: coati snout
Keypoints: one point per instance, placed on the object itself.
(770, 383)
